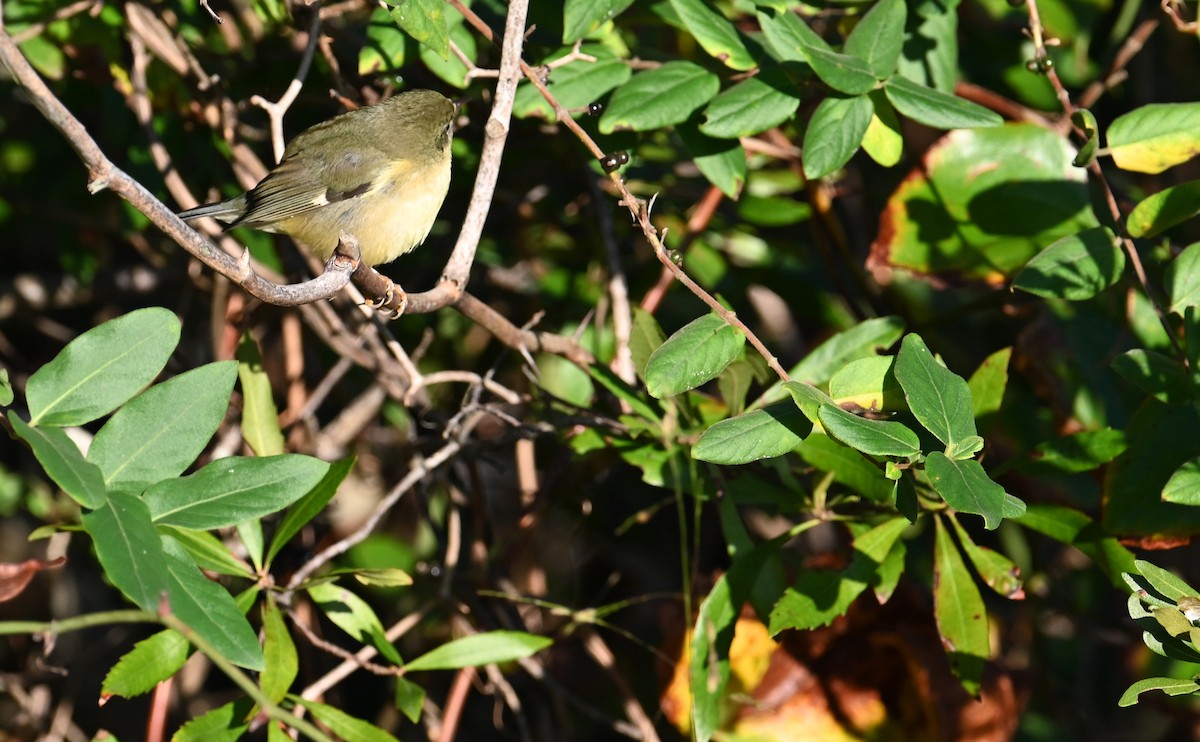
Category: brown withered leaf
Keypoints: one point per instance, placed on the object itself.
(15, 577)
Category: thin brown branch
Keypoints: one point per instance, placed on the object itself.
(276, 110)
(103, 174)
(419, 471)
(454, 277)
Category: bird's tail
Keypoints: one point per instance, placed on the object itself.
(225, 211)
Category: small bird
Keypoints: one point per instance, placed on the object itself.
(379, 173)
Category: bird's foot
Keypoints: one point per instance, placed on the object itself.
(392, 302)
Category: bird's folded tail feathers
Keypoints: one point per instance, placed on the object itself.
(225, 211)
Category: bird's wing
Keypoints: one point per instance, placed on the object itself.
(302, 183)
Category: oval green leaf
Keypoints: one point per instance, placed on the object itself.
(958, 608)
(758, 434)
(160, 433)
(1075, 267)
(872, 437)
(102, 368)
(935, 108)
(1155, 137)
(60, 457)
(714, 32)
(939, 398)
(879, 37)
(1182, 279)
(233, 490)
(966, 487)
(1158, 213)
(694, 354)
(752, 106)
(834, 134)
(660, 97)
(490, 648)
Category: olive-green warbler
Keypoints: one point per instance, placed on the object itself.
(379, 173)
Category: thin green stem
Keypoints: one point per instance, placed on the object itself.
(243, 681)
(75, 623)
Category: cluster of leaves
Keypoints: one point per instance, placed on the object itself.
(1166, 608)
(152, 528)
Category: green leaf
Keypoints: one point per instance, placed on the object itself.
(129, 549)
(882, 139)
(60, 457)
(575, 84)
(450, 69)
(753, 105)
(849, 467)
(845, 74)
(819, 596)
(624, 392)
(208, 552)
(150, 662)
(868, 383)
(952, 218)
(716, 622)
(879, 37)
(988, 383)
(789, 36)
(709, 662)
(343, 725)
(864, 339)
(1155, 374)
(425, 21)
(308, 506)
(715, 34)
(102, 368)
(722, 161)
(164, 429)
(581, 17)
(45, 56)
(1170, 686)
(935, 108)
(385, 45)
(1182, 279)
(6, 388)
(1080, 452)
(758, 434)
(644, 338)
(222, 724)
(490, 648)
(1154, 137)
(966, 487)
(659, 97)
(279, 651)
(694, 354)
(1075, 267)
(1165, 209)
(997, 571)
(260, 418)
(1161, 437)
(939, 398)
(958, 608)
(931, 45)
(1184, 485)
(1086, 122)
(1166, 583)
(351, 614)
(809, 399)
(834, 134)
(234, 490)
(410, 699)
(872, 437)
(209, 609)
